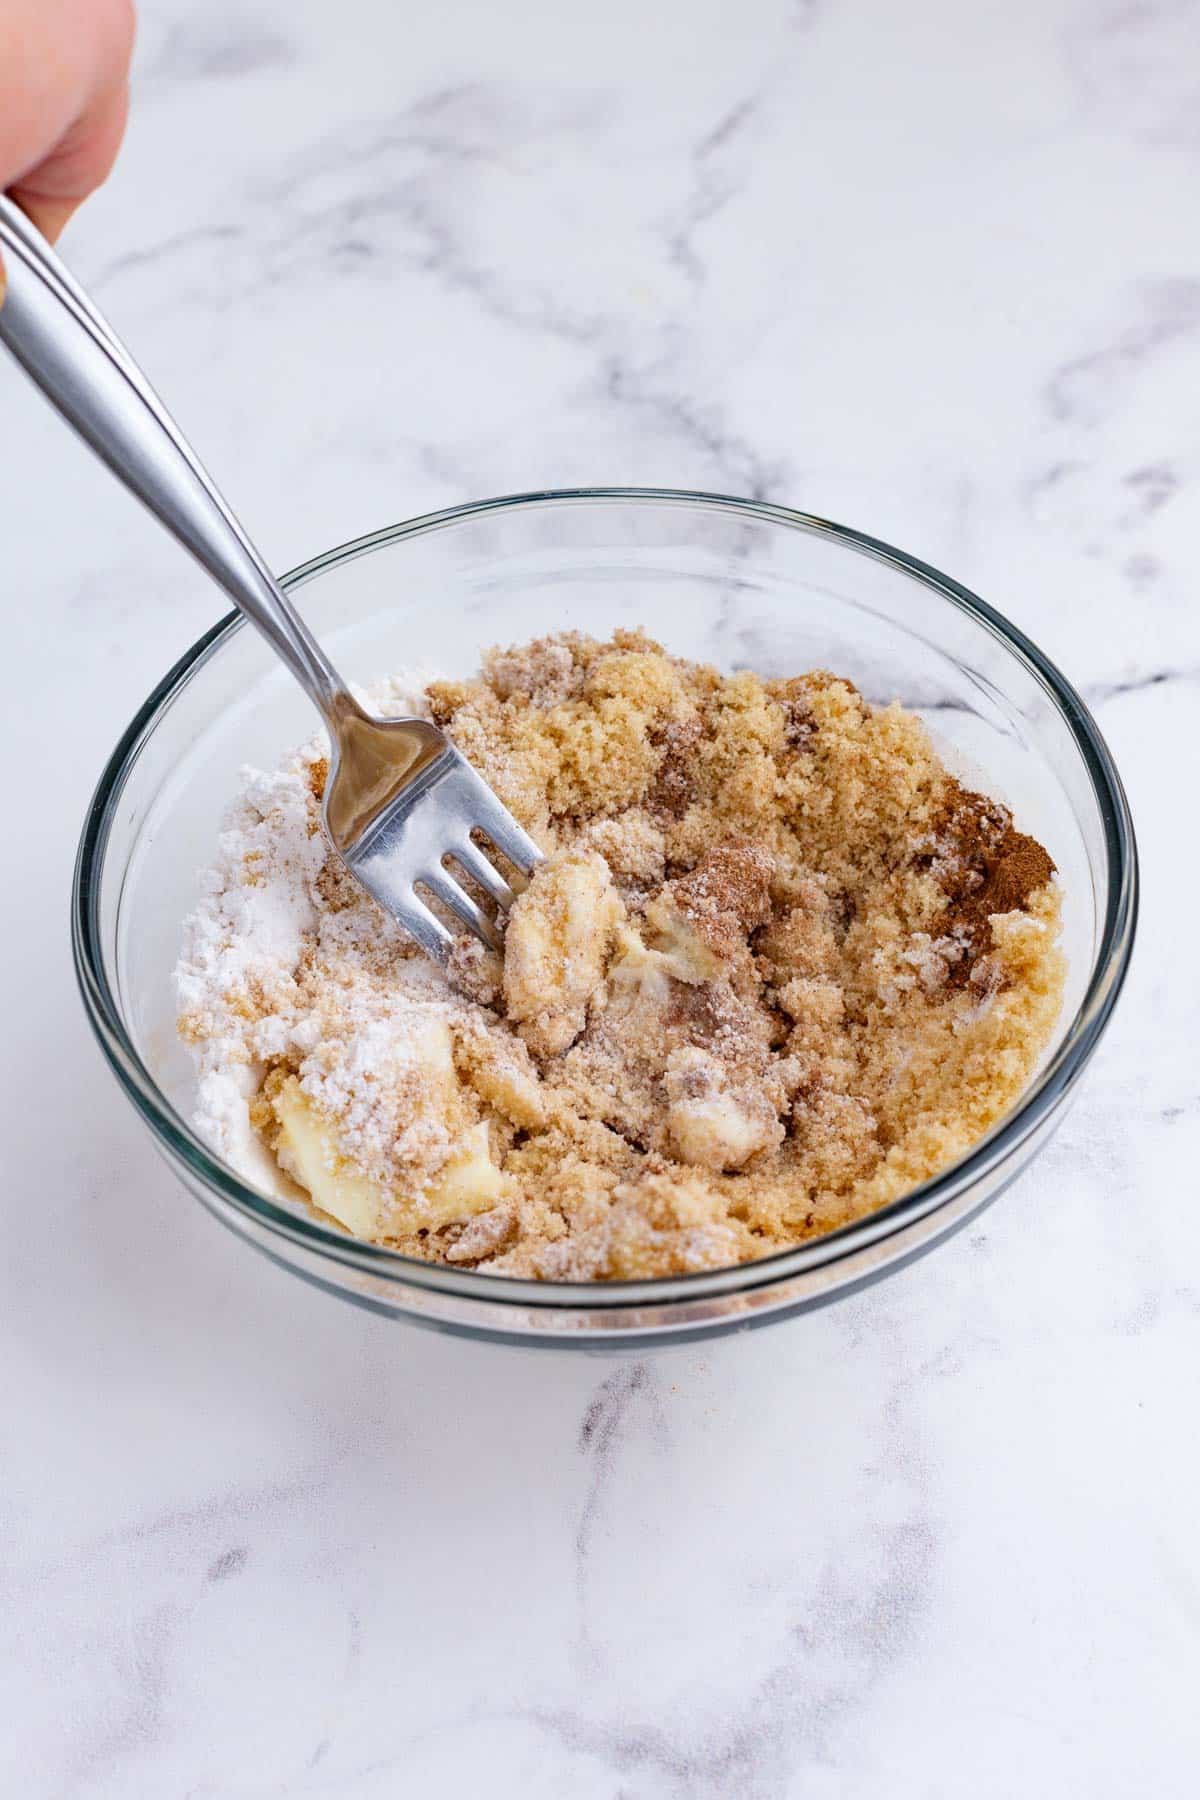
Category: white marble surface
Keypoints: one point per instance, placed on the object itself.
(929, 269)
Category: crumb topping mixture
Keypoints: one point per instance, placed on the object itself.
(779, 967)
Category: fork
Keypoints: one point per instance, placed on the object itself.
(400, 799)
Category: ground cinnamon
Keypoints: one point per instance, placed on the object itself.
(986, 866)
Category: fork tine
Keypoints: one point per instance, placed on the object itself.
(425, 822)
(421, 924)
(493, 817)
(439, 881)
(482, 870)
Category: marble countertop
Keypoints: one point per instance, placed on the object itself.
(929, 270)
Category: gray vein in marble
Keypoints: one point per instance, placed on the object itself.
(1136, 66)
(1097, 692)
(230, 1562)
(162, 252)
(397, 173)
(713, 185)
(738, 463)
(1090, 502)
(321, 220)
(139, 1720)
(1040, 490)
(217, 45)
(604, 1426)
(135, 1719)
(1141, 570)
(1150, 488)
(1089, 388)
(754, 1747)
(186, 1523)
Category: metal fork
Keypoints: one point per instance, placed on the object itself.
(400, 798)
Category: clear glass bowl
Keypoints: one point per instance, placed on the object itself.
(727, 581)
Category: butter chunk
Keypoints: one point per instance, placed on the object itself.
(715, 1123)
(308, 1152)
(556, 948)
(308, 1149)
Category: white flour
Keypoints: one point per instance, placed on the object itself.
(258, 916)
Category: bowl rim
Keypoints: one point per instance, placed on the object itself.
(1045, 1095)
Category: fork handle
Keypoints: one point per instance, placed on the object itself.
(63, 343)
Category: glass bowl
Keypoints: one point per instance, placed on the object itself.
(734, 582)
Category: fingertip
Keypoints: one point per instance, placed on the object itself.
(81, 163)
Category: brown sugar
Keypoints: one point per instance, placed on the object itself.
(779, 967)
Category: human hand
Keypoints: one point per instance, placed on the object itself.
(64, 69)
